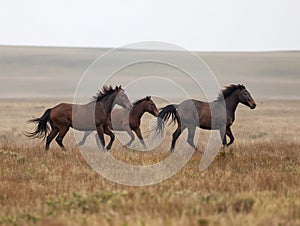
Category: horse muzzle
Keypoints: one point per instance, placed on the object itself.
(252, 105)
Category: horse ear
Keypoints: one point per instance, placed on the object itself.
(148, 97)
(120, 87)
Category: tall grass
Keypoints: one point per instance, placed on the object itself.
(258, 185)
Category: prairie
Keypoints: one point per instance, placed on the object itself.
(258, 185)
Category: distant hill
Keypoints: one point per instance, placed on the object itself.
(47, 72)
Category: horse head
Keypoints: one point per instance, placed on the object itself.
(245, 97)
(122, 99)
(151, 107)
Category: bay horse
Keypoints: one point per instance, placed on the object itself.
(129, 120)
(91, 116)
(194, 113)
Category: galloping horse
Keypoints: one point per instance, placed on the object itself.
(214, 115)
(129, 120)
(91, 116)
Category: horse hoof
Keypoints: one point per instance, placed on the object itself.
(126, 146)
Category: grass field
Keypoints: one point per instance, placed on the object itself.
(258, 185)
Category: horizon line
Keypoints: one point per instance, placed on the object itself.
(147, 49)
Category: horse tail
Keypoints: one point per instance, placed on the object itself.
(164, 115)
(42, 127)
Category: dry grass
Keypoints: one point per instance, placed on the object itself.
(259, 185)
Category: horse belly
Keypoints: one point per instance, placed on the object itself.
(83, 120)
(209, 125)
(205, 120)
(117, 125)
(86, 125)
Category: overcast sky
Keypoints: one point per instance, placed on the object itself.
(210, 25)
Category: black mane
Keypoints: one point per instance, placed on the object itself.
(228, 90)
(105, 91)
(139, 101)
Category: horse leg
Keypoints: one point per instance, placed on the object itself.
(86, 134)
(100, 131)
(51, 136)
(112, 137)
(139, 135)
(191, 135)
(61, 135)
(229, 133)
(130, 133)
(175, 136)
(223, 136)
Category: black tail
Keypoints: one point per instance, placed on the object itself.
(164, 115)
(42, 128)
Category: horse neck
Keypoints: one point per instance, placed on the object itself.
(108, 103)
(231, 104)
(136, 113)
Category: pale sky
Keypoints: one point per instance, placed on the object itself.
(211, 25)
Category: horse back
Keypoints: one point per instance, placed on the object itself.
(61, 114)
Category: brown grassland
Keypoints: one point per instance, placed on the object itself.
(258, 185)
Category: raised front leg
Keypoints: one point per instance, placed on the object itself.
(191, 135)
(223, 137)
(229, 133)
(100, 137)
(112, 137)
(86, 134)
(139, 135)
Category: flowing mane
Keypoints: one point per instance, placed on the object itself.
(228, 90)
(140, 100)
(106, 90)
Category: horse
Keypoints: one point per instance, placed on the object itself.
(214, 115)
(129, 120)
(91, 116)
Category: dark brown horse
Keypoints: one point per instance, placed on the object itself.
(129, 120)
(215, 115)
(91, 116)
